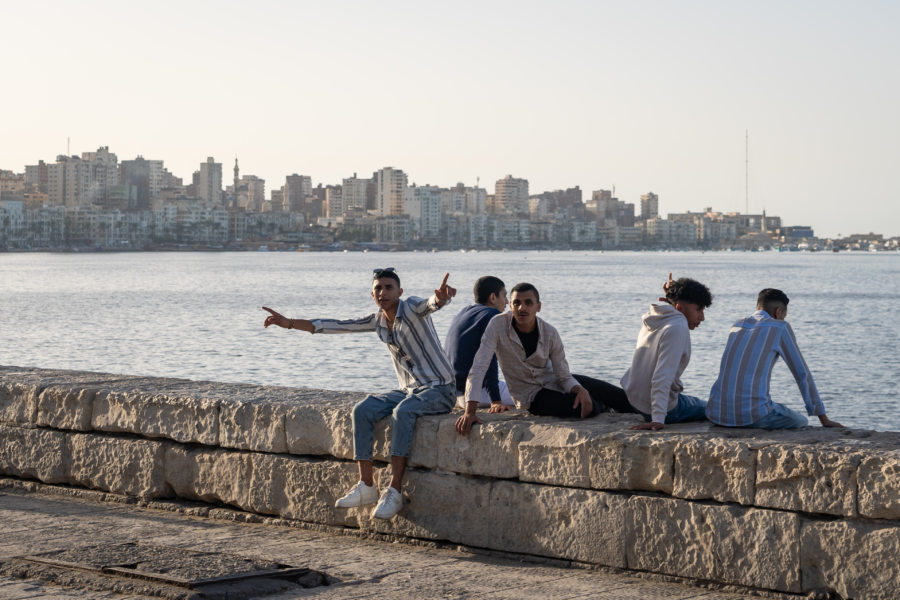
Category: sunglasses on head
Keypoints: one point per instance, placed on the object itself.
(378, 272)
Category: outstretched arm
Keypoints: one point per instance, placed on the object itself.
(276, 318)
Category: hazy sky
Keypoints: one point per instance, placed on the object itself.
(644, 96)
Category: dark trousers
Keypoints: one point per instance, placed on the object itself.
(605, 396)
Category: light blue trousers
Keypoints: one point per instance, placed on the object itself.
(404, 408)
(781, 417)
(689, 408)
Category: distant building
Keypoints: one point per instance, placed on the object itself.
(354, 194)
(209, 182)
(396, 229)
(148, 177)
(256, 192)
(84, 181)
(610, 211)
(37, 176)
(423, 205)
(334, 201)
(390, 186)
(649, 206)
(511, 196)
(296, 193)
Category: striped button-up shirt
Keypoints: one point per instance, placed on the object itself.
(740, 396)
(416, 352)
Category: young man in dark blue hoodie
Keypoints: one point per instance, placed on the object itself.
(464, 338)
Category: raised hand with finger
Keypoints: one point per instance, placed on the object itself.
(445, 292)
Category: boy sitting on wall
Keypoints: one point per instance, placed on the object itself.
(423, 372)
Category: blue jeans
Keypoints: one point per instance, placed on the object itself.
(781, 417)
(689, 408)
(404, 408)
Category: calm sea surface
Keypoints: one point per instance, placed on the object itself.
(198, 316)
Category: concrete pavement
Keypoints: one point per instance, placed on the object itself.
(36, 518)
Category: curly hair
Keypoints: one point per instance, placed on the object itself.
(688, 290)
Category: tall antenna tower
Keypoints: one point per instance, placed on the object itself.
(746, 172)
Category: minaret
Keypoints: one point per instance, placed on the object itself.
(234, 195)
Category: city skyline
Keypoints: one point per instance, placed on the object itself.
(656, 97)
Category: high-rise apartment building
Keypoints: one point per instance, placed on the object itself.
(297, 190)
(610, 211)
(334, 201)
(354, 192)
(209, 182)
(147, 176)
(256, 191)
(423, 205)
(390, 190)
(75, 181)
(37, 176)
(649, 206)
(476, 200)
(511, 196)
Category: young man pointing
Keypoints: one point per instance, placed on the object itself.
(423, 372)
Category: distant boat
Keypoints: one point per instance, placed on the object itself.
(263, 248)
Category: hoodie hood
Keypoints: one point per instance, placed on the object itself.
(661, 314)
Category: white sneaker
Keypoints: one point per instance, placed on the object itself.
(390, 504)
(359, 495)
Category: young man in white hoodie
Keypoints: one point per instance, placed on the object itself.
(653, 383)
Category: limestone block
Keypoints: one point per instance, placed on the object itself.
(121, 465)
(253, 426)
(441, 506)
(566, 523)
(33, 453)
(730, 544)
(556, 455)
(720, 469)
(809, 478)
(157, 414)
(856, 560)
(302, 489)
(426, 446)
(879, 486)
(490, 449)
(633, 461)
(321, 428)
(66, 407)
(209, 475)
(18, 401)
(326, 428)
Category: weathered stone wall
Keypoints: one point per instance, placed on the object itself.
(790, 511)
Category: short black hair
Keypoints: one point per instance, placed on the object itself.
(770, 298)
(386, 273)
(688, 290)
(525, 287)
(485, 286)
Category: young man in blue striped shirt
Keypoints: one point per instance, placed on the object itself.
(740, 396)
(423, 371)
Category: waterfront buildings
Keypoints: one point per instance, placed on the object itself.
(96, 201)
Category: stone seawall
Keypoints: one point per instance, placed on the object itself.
(794, 512)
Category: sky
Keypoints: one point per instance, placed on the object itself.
(645, 96)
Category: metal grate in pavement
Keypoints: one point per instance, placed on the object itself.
(199, 575)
